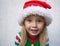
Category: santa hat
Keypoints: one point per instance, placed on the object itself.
(36, 7)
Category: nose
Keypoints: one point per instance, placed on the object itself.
(34, 24)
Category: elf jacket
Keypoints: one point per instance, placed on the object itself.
(28, 43)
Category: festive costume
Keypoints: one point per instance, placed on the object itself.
(34, 7)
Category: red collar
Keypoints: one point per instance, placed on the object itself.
(33, 40)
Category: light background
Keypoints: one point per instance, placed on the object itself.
(9, 12)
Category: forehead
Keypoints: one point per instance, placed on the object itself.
(34, 16)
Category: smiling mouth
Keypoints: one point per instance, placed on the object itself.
(34, 30)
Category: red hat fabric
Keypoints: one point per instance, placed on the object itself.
(37, 3)
(36, 7)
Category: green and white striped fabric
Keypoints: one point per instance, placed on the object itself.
(18, 39)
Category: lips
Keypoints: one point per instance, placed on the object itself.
(34, 30)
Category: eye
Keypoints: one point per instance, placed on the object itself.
(29, 20)
(39, 20)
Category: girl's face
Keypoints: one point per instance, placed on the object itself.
(34, 25)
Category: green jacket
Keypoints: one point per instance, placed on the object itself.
(28, 43)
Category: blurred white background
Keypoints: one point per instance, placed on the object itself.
(9, 13)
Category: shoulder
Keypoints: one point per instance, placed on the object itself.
(18, 38)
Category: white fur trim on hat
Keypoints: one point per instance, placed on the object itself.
(35, 10)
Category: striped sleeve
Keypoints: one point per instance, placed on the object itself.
(18, 39)
(47, 42)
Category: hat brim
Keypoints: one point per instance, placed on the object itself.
(35, 10)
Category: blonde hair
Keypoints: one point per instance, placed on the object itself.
(42, 37)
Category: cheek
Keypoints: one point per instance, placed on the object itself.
(41, 26)
(27, 26)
